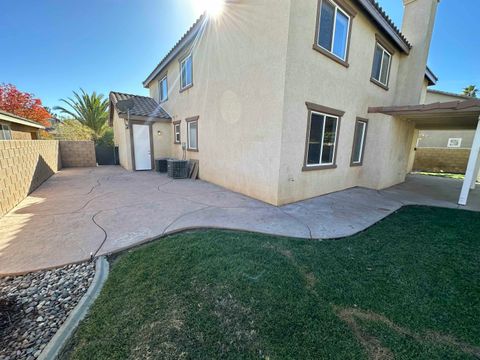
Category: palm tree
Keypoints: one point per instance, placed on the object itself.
(90, 110)
(470, 91)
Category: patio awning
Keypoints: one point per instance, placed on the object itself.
(456, 115)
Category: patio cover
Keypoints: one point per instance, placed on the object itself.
(445, 116)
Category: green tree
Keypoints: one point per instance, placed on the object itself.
(73, 130)
(91, 110)
(470, 91)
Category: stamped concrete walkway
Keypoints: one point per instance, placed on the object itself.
(86, 212)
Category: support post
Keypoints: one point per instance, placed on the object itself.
(470, 174)
(475, 174)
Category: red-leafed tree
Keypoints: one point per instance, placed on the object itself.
(23, 104)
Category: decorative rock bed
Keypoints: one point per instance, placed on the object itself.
(34, 306)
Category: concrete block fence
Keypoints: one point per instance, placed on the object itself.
(26, 164)
(441, 159)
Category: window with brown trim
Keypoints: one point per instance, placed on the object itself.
(177, 132)
(332, 34)
(382, 62)
(186, 73)
(192, 134)
(322, 137)
(359, 139)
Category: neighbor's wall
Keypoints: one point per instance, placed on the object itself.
(441, 160)
(24, 165)
(78, 153)
(439, 138)
(313, 77)
(238, 81)
(21, 132)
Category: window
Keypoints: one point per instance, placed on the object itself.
(321, 139)
(176, 132)
(186, 73)
(5, 132)
(163, 89)
(192, 134)
(454, 142)
(381, 65)
(333, 30)
(359, 142)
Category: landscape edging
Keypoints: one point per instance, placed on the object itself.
(59, 340)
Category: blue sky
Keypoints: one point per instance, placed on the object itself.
(51, 47)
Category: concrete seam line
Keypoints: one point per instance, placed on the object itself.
(59, 340)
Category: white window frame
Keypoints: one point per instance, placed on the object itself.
(381, 64)
(4, 129)
(337, 8)
(189, 56)
(160, 90)
(177, 132)
(449, 144)
(362, 143)
(319, 164)
(189, 124)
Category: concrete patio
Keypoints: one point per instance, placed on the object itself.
(84, 212)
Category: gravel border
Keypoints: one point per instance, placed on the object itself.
(58, 342)
(41, 300)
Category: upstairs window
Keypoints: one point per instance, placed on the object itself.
(5, 132)
(333, 29)
(381, 65)
(186, 73)
(359, 142)
(163, 89)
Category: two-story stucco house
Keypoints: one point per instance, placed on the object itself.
(284, 100)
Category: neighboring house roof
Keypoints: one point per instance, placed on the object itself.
(460, 96)
(431, 77)
(373, 10)
(6, 116)
(144, 107)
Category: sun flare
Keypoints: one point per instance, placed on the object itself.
(213, 8)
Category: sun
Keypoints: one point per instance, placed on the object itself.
(213, 8)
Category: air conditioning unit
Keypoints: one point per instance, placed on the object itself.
(177, 169)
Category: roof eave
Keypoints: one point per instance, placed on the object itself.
(385, 25)
(182, 43)
(430, 76)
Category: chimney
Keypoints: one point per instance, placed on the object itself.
(418, 21)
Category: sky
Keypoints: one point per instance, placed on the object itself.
(52, 47)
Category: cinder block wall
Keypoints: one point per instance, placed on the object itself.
(77, 153)
(441, 159)
(24, 165)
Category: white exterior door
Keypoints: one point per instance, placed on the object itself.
(141, 146)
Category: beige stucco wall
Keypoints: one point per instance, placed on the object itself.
(433, 97)
(254, 70)
(121, 139)
(322, 85)
(162, 139)
(238, 77)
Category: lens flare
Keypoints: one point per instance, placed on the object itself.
(213, 8)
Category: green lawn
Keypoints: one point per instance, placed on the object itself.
(407, 288)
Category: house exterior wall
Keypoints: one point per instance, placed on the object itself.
(121, 138)
(162, 139)
(237, 94)
(321, 85)
(21, 132)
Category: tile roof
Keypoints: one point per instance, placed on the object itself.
(390, 22)
(143, 106)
